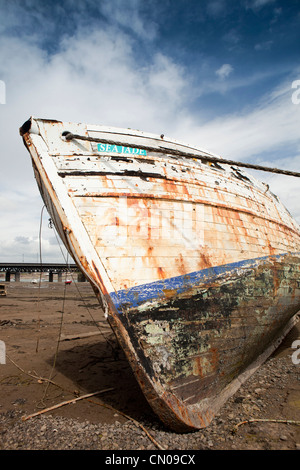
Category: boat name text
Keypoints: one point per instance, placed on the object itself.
(111, 148)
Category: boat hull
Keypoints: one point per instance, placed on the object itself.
(196, 267)
(211, 329)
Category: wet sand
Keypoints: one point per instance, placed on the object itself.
(58, 332)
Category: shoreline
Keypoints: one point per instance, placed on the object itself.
(34, 324)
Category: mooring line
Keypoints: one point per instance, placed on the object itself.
(40, 279)
(181, 153)
(78, 290)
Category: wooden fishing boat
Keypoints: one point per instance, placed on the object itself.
(195, 263)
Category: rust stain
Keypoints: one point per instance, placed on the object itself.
(149, 250)
(205, 261)
(100, 280)
(161, 273)
(169, 293)
(271, 249)
(180, 265)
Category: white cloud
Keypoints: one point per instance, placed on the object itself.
(267, 134)
(263, 46)
(216, 8)
(224, 71)
(93, 77)
(20, 227)
(129, 17)
(258, 4)
(273, 123)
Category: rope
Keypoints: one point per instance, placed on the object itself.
(40, 279)
(181, 153)
(266, 420)
(51, 225)
(57, 348)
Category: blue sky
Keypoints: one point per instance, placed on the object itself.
(217, 74)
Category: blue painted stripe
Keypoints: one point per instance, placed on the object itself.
(135, 296)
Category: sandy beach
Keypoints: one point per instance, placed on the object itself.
(59, 347)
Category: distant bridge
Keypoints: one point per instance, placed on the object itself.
(52, 268)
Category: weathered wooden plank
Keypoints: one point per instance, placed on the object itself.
(154, 190)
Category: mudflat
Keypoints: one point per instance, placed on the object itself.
(59, 347)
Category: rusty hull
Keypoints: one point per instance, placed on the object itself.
(196, 265)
